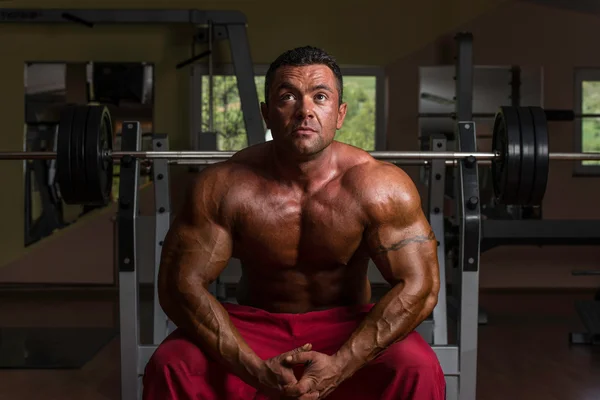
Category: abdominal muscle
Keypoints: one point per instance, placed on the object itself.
(292, 290)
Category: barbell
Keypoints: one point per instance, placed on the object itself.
(85, 157)
(551, 115)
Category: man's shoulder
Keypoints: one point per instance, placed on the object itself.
(215, 191)
(365, 172)
(220, 178)
(381, 187)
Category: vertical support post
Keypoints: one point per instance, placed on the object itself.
(437, 183)
(468, 213)
(244, 72)
(128, 279)
(515, 86)
(464, 77)
(211, 80)
(468, 204)
(195, 107)
(160, 142)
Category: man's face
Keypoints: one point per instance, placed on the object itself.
(303, 112)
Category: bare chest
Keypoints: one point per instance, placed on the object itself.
(291, 230)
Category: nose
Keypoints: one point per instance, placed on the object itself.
(305, 109)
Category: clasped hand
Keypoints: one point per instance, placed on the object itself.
(321, 375)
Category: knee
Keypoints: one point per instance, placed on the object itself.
(408, 369)
(177, 349)
(413, 353)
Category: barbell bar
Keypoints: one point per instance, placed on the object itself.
(85, 159)
(199, 157)
(551, 115)
(224, 155)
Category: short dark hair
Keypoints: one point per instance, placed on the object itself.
(301, 56)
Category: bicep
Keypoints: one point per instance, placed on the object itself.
(197, 246)
(404, 252)
(400, 240)
(195, 250)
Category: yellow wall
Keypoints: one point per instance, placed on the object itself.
(356, 32)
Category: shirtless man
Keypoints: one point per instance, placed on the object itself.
(304, 214)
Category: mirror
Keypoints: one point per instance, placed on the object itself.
(127, 89)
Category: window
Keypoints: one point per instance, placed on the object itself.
(364, 91)
(587, 127)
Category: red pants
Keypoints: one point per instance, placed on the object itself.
(407, 370)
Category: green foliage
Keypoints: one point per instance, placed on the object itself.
(590, 127)
(359, 126)
(228, 122)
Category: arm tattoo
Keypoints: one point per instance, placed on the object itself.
(415, 239)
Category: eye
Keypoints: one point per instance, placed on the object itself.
(321, 97)
(287, 96)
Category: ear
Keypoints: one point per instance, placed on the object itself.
(264, 109)
(341, 115)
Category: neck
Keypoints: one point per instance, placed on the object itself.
(308, 172)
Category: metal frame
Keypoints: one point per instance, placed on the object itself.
(381, 96)
(227, 24)
(437, 182)
(127, 261)
(581, 75)
(468, 213)
(135, 356)
(539, 232)
(162, 205)
(459, 362)
(467, 202)
(40, 174)
(88, 18)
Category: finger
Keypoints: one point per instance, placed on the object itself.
(309, 396)
(287, 377)
(306, 347)
(292, 391)
(298, 350)
(300, 358)
(306, 385)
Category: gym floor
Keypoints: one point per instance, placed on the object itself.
(524, 352)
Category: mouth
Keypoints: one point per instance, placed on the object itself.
(304, 130)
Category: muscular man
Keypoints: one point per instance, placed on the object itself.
(304, 214)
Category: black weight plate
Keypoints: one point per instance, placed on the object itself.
(527, 155)
(542, 157)
(63, 155)
(99, 170)
(78, 133)
(498, 168)
(106, 146)
(506, 140)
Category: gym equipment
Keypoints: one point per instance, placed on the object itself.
(84, 155)
(162, 222)
(589, 313)
(39, 177)
(550, 115)
(226, 25)
(437, 182)
(457, 360)
(84, 175)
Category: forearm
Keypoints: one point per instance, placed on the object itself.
(391, 319)
(201, 315)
